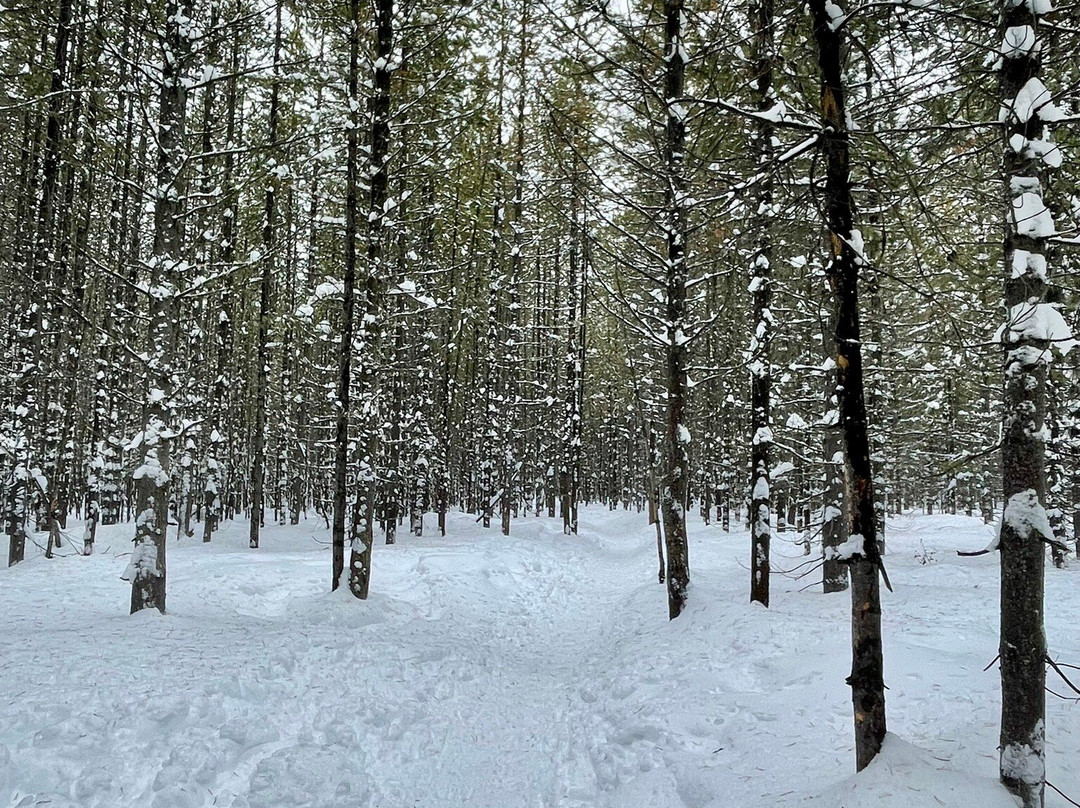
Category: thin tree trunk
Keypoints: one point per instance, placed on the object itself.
(1027, 342)
(676, 467)
(378, 177)
(867, 673)
(834, 526)
(215, 491)
(761, 22)
(262, 361)
(344, 377)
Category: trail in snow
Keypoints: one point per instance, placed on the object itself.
(259, 689)
(535, 671)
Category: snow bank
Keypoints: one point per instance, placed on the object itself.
(904, 776)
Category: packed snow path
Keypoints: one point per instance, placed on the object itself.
(534, 671)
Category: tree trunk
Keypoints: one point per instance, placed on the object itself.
(834, 529)
(1026, 342)
(147, 566)
(867, 674)
(761, 22)
(262, 360)
(676, 470)
(344, 376)
(378, 177)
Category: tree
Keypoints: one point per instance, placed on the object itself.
(147, 566)
(374, 278)
(677, 467)
(761, 22)
(1031, 328)
(846, 258)
(344, 375)
(262, 362)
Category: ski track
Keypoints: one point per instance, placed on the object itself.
(536, 671)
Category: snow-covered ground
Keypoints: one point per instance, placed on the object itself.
(536, 670)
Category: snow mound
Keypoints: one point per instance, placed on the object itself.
(905, 776)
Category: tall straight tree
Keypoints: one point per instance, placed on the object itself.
(1031, 327)
(348, 297)
(761, 22)
(573, 363)
(677, 465)
(842, 271)
(378, 183)
(43, 309)
(262, 362)
(223, 329)
(147, 566)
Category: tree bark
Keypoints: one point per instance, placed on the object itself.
(344, 375)
(262, 360)
(147, 566)
(761, 22)
(867, 673)
(1027, 226)
(676, 470)
(378, 182)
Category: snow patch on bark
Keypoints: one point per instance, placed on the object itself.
(143, 563)
(1026, 515)
(854, 546)
(1024, 761)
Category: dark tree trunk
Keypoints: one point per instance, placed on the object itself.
(262, 360)
(834, 528)
(344, 377)
(761, 22)
(1023, 464)
(867, 674)
(574, 366)
(147, 566)
(676, 471)
(215, 493)
(378, 177)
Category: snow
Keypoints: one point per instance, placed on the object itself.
(1024, 262)
(1019, 41)
(848, 550)
(1036, 7)
(1034, 100)
(781, 468)
(1023, 761)
(904, 776)
(523, 671)
(836, 14)
(142, 562)
(855, 239)
(795, 421)
(777, 113)
(1038, 321)
(1044, 149)
(331, 287)
(1025, 515)
(1031, 216)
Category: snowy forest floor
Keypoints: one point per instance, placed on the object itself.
(534, 671)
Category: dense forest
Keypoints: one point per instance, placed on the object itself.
(793, 265)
